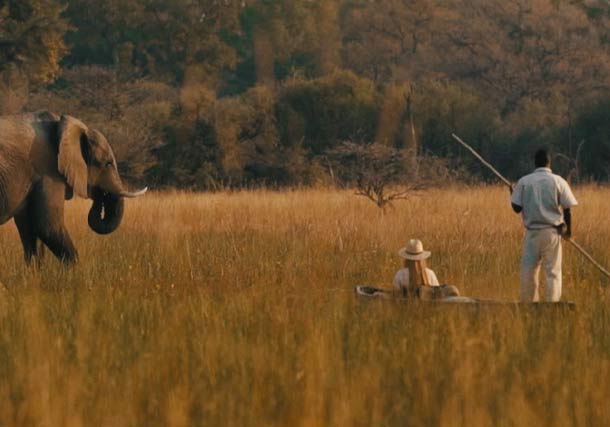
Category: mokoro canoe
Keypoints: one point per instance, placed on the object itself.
(379, 293)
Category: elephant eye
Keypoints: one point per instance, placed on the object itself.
(109, 164)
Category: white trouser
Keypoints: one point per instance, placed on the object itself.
(541, 247)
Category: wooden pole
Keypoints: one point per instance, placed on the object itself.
(482, 160)
(589, 257)
(510, 185)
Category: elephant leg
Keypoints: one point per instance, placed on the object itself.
(27, 235)
(47, 213)
(59, 242)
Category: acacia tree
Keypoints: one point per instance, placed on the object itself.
(378, 172)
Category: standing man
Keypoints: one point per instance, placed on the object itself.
(544, 201)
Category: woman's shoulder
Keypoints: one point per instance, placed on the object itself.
(402, 272)
(402, 275)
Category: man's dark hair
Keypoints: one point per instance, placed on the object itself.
(542, 158)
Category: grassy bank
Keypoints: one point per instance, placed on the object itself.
(237, 309)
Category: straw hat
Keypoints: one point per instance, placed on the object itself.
(414, 250)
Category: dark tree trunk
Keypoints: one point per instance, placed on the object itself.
(106, 212)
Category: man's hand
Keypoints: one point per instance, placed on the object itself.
(563, 230)
(567, 217)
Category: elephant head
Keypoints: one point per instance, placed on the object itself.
(88, 164)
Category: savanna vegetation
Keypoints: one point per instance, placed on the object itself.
(238, 309)
(235, 306)
(212, 94)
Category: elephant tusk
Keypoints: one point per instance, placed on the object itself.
(133, 194)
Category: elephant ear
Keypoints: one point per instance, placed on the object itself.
(70, 160)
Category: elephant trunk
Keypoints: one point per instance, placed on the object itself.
(106, 212)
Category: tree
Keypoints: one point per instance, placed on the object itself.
(388, 40)
(378, 172)
(245, 130)
(280, 39)
(155, 38)
(31, 47)
(515, 50)
(320, 113)
(592, 126)
(131, 113)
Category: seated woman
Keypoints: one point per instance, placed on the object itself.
(415, 279)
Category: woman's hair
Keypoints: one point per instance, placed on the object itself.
(417, 273)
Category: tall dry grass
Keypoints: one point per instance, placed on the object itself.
(236, 309)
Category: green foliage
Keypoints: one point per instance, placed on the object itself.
(266, 136)
(245, 129)
(32, 38)
(131, 114)
(593, 128)
(319, 113)
(192, 157)
(442, 108)
(388, 40)
(279, 40)
(257, 92)
(231, 142)
(31, 47)
(152, 37)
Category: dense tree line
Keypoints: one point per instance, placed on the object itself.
(211, 93)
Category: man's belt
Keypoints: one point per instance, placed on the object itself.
(560, 228)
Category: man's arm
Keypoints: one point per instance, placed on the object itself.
(515, 197)
(567, 218)
(567, 201)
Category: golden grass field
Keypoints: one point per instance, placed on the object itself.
(236, 309)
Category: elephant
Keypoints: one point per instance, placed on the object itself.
(46, 159)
